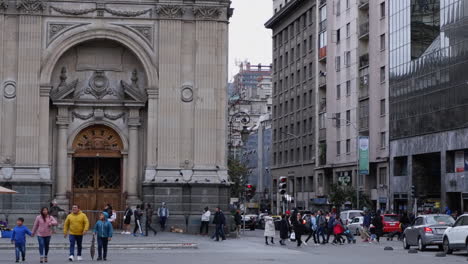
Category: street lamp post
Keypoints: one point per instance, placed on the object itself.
(348, 122)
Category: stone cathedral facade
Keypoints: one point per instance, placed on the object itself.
(109, 101)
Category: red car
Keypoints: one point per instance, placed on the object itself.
(391, 223)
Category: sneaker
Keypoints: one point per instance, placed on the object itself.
(70, 258)
(123, 233)
(99, 259)
(79, 258)
(305, 243)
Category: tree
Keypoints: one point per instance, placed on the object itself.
(238, 175)
(340, 194)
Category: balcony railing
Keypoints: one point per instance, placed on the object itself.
(322, 105)
(322, 81)
(364, 30)
(364, 4)
(322, 134)
(364, 60)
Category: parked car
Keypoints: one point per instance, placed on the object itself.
(427, 230)
(347, 216)
(456, 236)
(356, 225)
(391, 223)
(250, 221)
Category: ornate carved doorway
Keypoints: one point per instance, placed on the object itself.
(97, 169)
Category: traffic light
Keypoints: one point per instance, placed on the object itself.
(249, 192)
(413, 191)
(282, 186)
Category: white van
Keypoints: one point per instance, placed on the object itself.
(347, 216)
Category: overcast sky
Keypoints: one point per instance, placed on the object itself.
(248, 37)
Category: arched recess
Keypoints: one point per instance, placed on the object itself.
(74, 37)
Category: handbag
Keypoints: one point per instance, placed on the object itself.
(293, 236)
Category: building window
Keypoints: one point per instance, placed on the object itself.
(383, 176)
(338, 119)
(304, 100)
(382, 9)
(286, 156)
(338, 148)
(286, 108)
(338, 7)
(338, 35)
(304, 47)
(347, 58)
(311, 43)
(382, 42)
(311, 152)
(322, 121)
(383, 139)
(298, 102)
(292, 155)
(274, 158)
(348, 117)
(348, 30)
(382, 107)
(382, 74)
(292, 56)
(304, 127)
(311, 72)
(348, 88)
(348, 146)
(338, 91)
(337, 63)
(298, 78)
(298, 130)
(298, 52)
(347, 4)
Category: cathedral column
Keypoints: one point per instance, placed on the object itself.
(62, 170)
(132, 171)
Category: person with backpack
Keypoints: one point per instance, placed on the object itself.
(313, 228)
(321, 225)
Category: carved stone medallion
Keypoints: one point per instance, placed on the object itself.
(99, 85)
(187, 94)
(9, 89)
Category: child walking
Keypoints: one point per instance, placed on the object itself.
(103, 230)
(19, 239)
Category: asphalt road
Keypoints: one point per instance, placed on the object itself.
(251, 249)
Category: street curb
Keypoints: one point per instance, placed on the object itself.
(118, 246)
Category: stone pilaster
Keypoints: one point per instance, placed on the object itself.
(132, 177)
(44, 125)
(29, 60)
(152, 154)
(169, 83)
(62, 177)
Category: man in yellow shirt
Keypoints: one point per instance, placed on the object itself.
(76, 225)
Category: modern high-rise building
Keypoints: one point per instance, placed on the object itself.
(352, 98)
(341, 87)
(428, 104)
(293, 123)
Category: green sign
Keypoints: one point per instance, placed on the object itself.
(364, 155)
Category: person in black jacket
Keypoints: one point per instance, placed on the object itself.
(238, 221)
(299, 229)
(137, 213)
(219, 220)
(378, 225)
(284, 229)
(127, 219)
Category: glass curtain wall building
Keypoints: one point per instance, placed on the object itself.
(429, 103)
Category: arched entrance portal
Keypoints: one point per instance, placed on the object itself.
(97, 168)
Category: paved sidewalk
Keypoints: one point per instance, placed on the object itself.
(161, 240)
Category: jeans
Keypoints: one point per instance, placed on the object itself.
(321, 233)
(149, 227)
(162, 222)
(312, 234)
(79, 242)
(204, 225)
(20, 248)
(43, 245)
(102, 246)
(220, 232)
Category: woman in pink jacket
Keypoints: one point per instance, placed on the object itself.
(43, 228)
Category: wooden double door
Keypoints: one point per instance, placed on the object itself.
(97, 182)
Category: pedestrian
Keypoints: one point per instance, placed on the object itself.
(108, 210)
(103, 231)
(313, 228)
(57, 213)
(205, 221)
(365, 231)
(219, 220)
(149, 219)
(321, 225)
(43, 229)
(270, 231)
(338, 231)
(127, 220)
(299, 228)
(18, 237)
(137, 215)
(163, 213)
(238, 222)
(76, 225)
(284, 229)
(330, 225)
(378, 226)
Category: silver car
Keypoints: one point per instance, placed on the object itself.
(355, 226)
(427, 230)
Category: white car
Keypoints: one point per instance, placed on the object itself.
(456, 236)
(355, 226)
(349, 215)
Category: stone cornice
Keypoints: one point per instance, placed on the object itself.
(3, 4)
(207, 12)
(170, 11)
